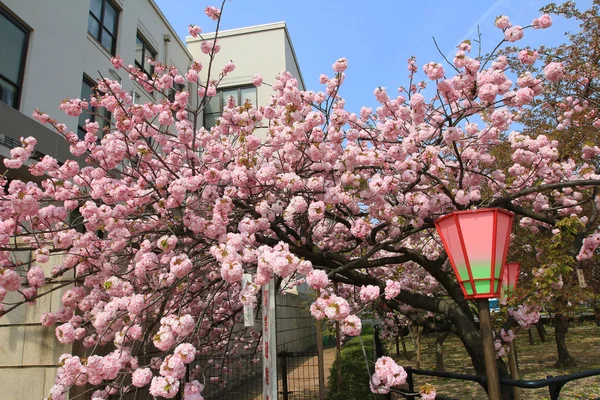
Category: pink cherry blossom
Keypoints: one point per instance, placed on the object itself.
(542, 22)
(317, 279)
(369, 293)
(554, 71)
(194, 30)
(351, 325)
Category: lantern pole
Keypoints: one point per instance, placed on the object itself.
(489, 353)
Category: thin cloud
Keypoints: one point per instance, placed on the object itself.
(473, 29)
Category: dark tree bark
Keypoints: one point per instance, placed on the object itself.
(530, 336)
(541, 330)
(439, 351)
(561, 327)
(403, 341)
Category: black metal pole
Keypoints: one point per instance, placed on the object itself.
(284, 373)
(411, 383)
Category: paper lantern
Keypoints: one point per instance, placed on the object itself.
(511, 276)
(477, 243)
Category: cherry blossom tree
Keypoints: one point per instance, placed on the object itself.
(567, 112)
(159, 225)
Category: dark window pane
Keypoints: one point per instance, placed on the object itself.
(12, 40)
(147, 67)
(110, 18)
(212, 106)
(139, 52)
(93, 26)
(210, 120)
(8, 93)
(96, 8)
(107, 40)
(86, 93)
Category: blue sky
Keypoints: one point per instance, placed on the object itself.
(377, 36)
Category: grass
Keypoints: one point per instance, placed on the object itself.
(535, 362)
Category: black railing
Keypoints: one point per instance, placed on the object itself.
(554, 384)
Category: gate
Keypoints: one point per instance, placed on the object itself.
(240, 377)
(298, 375)
(236, 377)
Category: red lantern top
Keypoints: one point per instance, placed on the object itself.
(477, 243)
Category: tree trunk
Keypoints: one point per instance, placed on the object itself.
(541, 330)
(514, 367)
(439, 351)
(418, 346)
(467, 332)
(530, 336)
(561, 327)
(403, 341)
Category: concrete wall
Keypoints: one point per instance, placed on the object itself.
(30, 351)
(295, 325)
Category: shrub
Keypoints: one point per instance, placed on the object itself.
(355, 377)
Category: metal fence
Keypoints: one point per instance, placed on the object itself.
(298, 375)
(230, 377)
(240, 377)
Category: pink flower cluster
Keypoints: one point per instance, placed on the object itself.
(542, 22)
(525, 316)
(392, 289)
(330, 306)
(19, 155)
(387, 375)
(194, 30)
(554, 71)
(212, 12)
(369, 293)
(317, 279)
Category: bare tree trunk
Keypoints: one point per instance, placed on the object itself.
(541, 330)
(403, 341)
(514, 368)
(418, 346)
(530, 335)
(561, 327)
(439, 351)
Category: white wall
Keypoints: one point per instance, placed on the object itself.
(259, 49)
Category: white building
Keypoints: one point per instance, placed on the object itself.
(55, 49)
(264, 49)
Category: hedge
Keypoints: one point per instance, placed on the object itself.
(355, 378)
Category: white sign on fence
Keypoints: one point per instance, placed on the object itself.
(269, 342)
(249, 309)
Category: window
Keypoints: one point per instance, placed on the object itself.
(214, 107)
(102, 23)
(88, 89)
(13, 49)
(142, 53)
